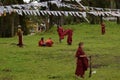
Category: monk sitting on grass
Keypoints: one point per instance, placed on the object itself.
(82, 61)
(49, 42)
(41, 42)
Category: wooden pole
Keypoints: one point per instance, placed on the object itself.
(90, 64)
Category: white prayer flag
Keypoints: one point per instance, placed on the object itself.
(34, 12)
(28, 12)
(24, 11)
(49, 12)
(42, 12)
(37, 11)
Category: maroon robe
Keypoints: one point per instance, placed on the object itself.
(66, 32)
(60, 31)
(41, 43)
(69, 39)
(49, 43)
(82, 63)
(69, 33)
(103, 28)
(20, 41)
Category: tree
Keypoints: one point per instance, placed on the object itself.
(10, 21)
(118, 7)
(96, 3)
(22, 20)
(7, 21)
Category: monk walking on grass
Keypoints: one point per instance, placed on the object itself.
(82, 61)
(20, 38)
(103, 28)
(69, 33)
(69, 39)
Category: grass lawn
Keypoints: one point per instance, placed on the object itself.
(58, 62)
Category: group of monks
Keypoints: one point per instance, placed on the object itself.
(62, 33)
(82, 59)
(49, 42)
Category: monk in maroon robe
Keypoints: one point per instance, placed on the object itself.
(41, 42)
(103, 28)
(82, 61)
(66, 32)
(69, 39)
(20, 40)
(49, 42)
(60, 31)
(69, 33)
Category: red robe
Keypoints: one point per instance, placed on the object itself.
(69, 33)
(60, 31)
(103, 28)
(82, 63)
(41, 43)
(66, 32)
(49, 43)
(69, 39)
(20, 41)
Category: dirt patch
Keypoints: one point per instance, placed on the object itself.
(7, 70)
(53, 77)
(117, 58)
(117, 61)
(99, 65)
(105, 62)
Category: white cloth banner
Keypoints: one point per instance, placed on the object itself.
(19, 11)
(34, 12)
(42, 12)
(49, 13)
(70, 13)
(9, 9)
(60, 14)
(78, 14)
(37, 11)
(24, 11)
(1, 9)
(28, 12)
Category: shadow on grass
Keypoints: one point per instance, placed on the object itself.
(54, 77)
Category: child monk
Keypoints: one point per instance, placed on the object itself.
(82, 61)
(60, 31)
(69, 33)
(20, 38)
(41, 42)
(49, 42)
(103, 28)
(69, 39)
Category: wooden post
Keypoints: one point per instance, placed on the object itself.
(101, 19)
(118, 6)
(90, 73)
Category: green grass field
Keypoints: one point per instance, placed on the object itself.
(58, 62)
